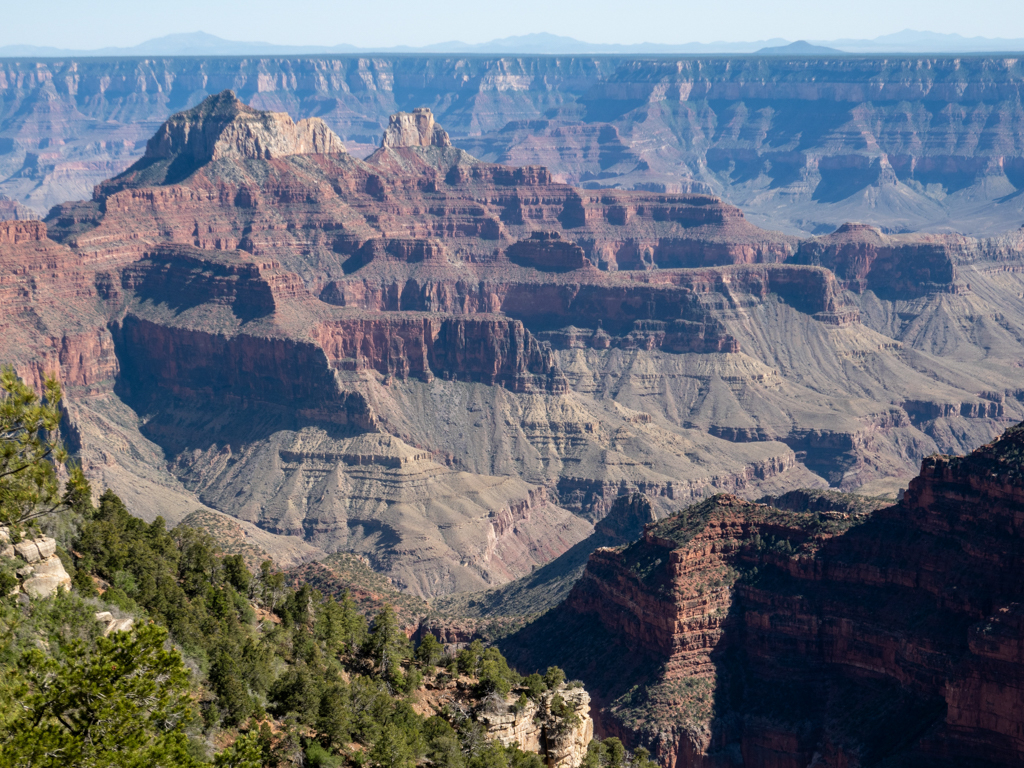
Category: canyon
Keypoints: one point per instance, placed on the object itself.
(452, 368)
(738, 633)
(801, 144)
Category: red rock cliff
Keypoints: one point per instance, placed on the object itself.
(838, 639)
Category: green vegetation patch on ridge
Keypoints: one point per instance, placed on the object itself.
(344, 572)
(767, 529)
(218, 655)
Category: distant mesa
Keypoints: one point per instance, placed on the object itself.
(799, 48)
(415, 129)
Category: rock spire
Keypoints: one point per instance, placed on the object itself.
(415, 129)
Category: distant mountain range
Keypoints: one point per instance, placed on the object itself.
(203, 44)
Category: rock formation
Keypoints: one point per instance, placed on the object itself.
(560, 734)
(828, 637)
(111, 624)
(415, 129)
(805, 144)
(40, 570)
(220, 128)
(454, 368)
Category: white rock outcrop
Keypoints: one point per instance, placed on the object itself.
(46, 578)
(34, 550)
(43, 574)
(111, 625)
(536, 729)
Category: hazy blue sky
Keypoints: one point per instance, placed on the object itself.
(85, 24)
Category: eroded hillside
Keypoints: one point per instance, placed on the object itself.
(737, 633)
(453, 368)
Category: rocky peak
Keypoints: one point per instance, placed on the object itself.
(223, 126)
(415, 129)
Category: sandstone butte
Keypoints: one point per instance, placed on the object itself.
(452, 368)
(736, 633)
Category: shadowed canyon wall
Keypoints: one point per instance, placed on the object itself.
(835, 637)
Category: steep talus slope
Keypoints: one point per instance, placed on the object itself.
(804, 144)
(831, 635)
(454, 367)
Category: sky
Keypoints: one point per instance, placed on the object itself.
(85, 24)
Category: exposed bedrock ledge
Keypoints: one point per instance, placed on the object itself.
(615, 306)
(593, 498)
(847, 633)
(183, 278)
(863, 258)
(237, 370)
(489, 349)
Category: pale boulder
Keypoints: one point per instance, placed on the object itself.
(34, 550)
(111, 625)
(46, 577)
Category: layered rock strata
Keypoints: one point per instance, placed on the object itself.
(248, 285)
(904, 142)
(832, 637)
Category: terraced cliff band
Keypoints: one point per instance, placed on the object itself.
(804, 143)
(453, 368)
(826, 633)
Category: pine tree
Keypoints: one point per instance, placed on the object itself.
(31, 453)
(386, 644)
(429, 651)
(616, 752)
(124, 704)
(246, 752)
(391, 749)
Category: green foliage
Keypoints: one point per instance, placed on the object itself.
(227, 680)
(340, 626)
(31, 453)
(334, 718)
(565, 712)
(616, 752)
(298, 690)
(392, 749)
(8, 577)
(271, 584)
(236, 574)
(535, 686)
(611, 753)
(429, 651)
(554, 677)
(468, 659)
(386, 646)
(495, 675)
(123, 703)
(246, 752)
(318, 757)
